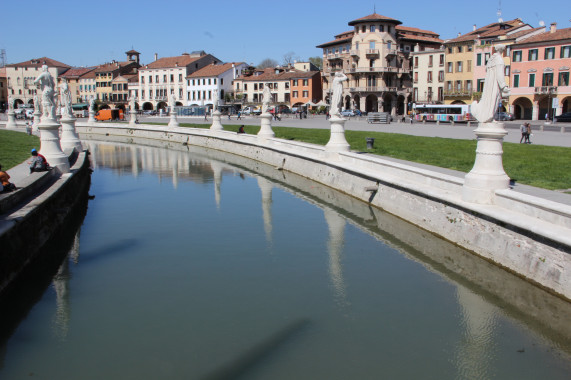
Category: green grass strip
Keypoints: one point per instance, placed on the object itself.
(15, 148)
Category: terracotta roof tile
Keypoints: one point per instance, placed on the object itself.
(213, 70)
(561, 34)
(402, 28)
(490, 31)
(335, 41)
(374, 17)
(113, 66)
(2, 72)
(270, 75)
(38, 62)
(409, 36)
(77, 72)
(168, 62)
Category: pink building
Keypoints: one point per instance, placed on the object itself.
(540, 75)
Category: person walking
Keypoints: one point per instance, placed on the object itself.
(523, 130)
(528, 133)
(239, 116)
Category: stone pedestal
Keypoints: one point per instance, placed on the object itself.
(91, 117)
(216, 124)
(11, 124)
(488, 173)
(266, 126)
(69, 137)
(132, 117)
(337, 141)
(173, 122)
(37, 118)
(50, 145)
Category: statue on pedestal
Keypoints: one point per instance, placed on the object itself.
(215, 101)
(337, 87)
(47, 85)
(65, 94)
(132, 101)
(495, 88)
(37, 104)
(266, 98)
(10, 103)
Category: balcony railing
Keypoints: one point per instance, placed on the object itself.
(354, 52)
(383, 69)
(459, 92)
(373, 89)
(546, 90)
(372, 52)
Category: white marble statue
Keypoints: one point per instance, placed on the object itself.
(92, 104)
(65, 94)
(47, 85)
(494, 88)
(132, 100)
(337, 87)
(37, 104)
(172, 101)
(10, 103)
(266, 98)
(215, 101)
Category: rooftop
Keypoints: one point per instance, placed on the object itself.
(214, 70)
(374, 17)
(38, 62)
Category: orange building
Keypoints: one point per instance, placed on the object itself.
(305, 87)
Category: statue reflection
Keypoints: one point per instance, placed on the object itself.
(336, 224)
(266, 189)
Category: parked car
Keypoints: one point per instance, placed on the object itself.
(347, 113)
(564, 117)
(501, 116)
(150, 113)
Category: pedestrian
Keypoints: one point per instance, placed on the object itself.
(523, 130)
(528, 134)
(6, 185)
(229, 115)
(205, 115)
(38, 163)
(239, 116)
(241, 129)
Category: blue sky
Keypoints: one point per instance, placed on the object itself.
(81, 33)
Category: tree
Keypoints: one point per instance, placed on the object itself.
(290, 58)
(268, 62)
(317, 61)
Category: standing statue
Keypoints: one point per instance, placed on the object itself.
(65, 94)
(172, 101)
(132, 100)
(266, 98)
(494, 88)
(47, 85)
(215, 101)
(37, 104)
(92, 104)
(337, 87)
(10, 103)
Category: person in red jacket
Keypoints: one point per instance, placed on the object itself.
(38, 163)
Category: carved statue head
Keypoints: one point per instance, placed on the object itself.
(500, 48)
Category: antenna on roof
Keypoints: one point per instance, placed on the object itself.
(374, 8)
(500, 19)
(541, 22)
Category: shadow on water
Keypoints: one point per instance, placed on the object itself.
(21, 296)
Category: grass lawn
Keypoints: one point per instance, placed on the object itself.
(15, 148)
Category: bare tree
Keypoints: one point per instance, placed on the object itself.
(268, 62)
(290, 58)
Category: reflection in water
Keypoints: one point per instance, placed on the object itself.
(336, 224)
(230, 309)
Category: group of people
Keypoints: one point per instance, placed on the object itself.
(37, 164)
(525, 129)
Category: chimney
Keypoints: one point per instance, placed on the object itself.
(474, 28)
(156, 56)
(553, 28)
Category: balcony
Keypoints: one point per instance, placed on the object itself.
(458, 92)
(333, 56)
(383, 69)
(545, 90)
(373, 89)
(354, 53)
(372, 52)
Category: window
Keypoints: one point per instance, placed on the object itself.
(468, 85)
(547, 79)
(429, 77)
(295, 94)
(449, 50)
(209, 95)
(563, 79)
(450, 67)
(415, 77)
(142, 79)
(440, 94)
(294, 82)
(372, 29)
(306, 94)
(172, 77)
(381, 28)
(164, 78)
(441, 59)
(415, 62)
(458, 85)
(221, 81)
(480, 85)
(459, 49)
(430, 58)
(469, 48)
(389, 45)
(372, 45)
(305, 83)
(507, 70)
(565, 52)
(156, 79)
(441, 76)
(479, 59)
(531, 80)
(459, 66)
(255, 87)
(516, 80)
(550, 53)
(469, 66)
(532, 55)
(209, 81)
(516, 56)
(180, 77)
(363, 29)
(486, 57)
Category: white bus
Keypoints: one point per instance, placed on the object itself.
(443, 112)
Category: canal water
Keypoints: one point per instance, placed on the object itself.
(196, 264)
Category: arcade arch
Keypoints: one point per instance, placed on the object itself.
(371, 103)
(523, 109)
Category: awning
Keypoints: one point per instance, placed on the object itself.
(80, 106)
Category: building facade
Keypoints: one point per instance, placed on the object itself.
(165, 76)
(428, 76)
(540, 75)
(73, 77)
(204, 83)
(87, 87)
(21, 76)
(375, 56)
(105, 75)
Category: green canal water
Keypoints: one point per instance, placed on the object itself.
(195, 264)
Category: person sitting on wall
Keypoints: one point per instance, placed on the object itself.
(6, 185)
(241, 129)
(38, 163)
